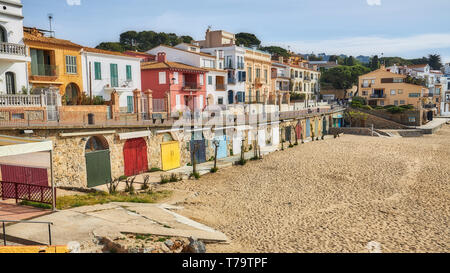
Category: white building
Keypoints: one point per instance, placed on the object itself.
(447, 68)
(13, 52)
(235, 66)
(106, 71)
(216, 78)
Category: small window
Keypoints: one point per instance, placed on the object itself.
(71, 64)
(201, 79)
(220, 100)
(162, 77)
(412, 119)
(210, 80)
(176, 77)
(402, 102)
(18, 116)
(393, 92)
(400, 91)
(382, 103)
(98, 70)
(129, 73)
(364, 93)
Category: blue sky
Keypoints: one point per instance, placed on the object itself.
(407, 28)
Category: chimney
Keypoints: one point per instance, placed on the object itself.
(162, 58)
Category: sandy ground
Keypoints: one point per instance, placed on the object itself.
(332, 196)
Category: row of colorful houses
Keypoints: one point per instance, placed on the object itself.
(214, 71)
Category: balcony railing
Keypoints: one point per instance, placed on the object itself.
(191, 86)
(13, 49)
(220, 86)
(231, 81)
(20, 100)
(378, 96)
(44, 70)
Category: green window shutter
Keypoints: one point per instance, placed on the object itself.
(114, 76)
(129, 76)
(130, 104)
(98, 70)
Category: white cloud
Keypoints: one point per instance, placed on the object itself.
(73, 2)
(372, 45)
(374, 2)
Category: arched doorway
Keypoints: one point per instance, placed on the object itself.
(72, 94)
(135, 156)
(98, 164)
(10, 83)
(3, 35)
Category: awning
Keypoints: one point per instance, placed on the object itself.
(132, 135)
(10, 145)
(338, 116)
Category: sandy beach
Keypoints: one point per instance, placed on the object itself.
(331, 196)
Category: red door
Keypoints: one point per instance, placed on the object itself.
(135, 156)
(298, 130)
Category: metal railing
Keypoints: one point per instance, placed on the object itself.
(20, 100)
(26, 192)
(220, 86)
(159, 105)
(27, 222)
(378, 96)
(191, 86)
(44, 70)
(13, 49)
(231, 80)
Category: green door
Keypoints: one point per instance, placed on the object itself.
(98, 167)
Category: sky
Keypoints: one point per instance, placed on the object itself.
(405, 28)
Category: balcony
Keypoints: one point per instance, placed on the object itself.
(44, 72)
(378, 96)
(191, 86)
(13, 52)
(220, 87)
(366, 85)
(231, 80)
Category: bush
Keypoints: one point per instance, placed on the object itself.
(146, 185)
(395, 110)
(366, 107)
(214, 170)
(154, 169)
(196, 175)
(241, 162)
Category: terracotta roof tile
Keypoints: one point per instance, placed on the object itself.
(108, 52)
(28, 37)
(170, 65)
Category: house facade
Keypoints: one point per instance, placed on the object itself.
(54, 63)
(304, 80)
(280, 92)
(381, 88)
(258, 66)
(216, 76)
(105, 72)
(13, 52)
(178, 85)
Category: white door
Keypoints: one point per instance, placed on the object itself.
(262, 138)
(237, 142)
(275, 136)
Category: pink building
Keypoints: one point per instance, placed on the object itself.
(183, 85)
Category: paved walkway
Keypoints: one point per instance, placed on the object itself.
(111, 220)
(433, 125)
(10, 211)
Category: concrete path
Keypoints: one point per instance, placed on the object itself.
(433, 125)
(111, 220)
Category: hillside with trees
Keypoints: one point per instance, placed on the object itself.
(144, 40)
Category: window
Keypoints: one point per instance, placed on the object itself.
(414, 95)
(402, 102)
(382, 102)
(177, 100)
(400, 91)
(208, 63)
(258, 73)
(220, 100)
(265, 75)
(364, 93)
(398, 80)
(10, 83)
(175, 78)
(71, 64)
(130, 104)
(129, 73)
(249, 74)
(393, 92)
(412, 119)
(114, 75)
(162, 77)
(98, 70)
(296, 74)
(365, 83)
(396, 102)
(210, 80)
(201, 79)
(373, 81)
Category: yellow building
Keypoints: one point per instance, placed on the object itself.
(304, 80)
(54, 63)
(258, 84)
(381, 87)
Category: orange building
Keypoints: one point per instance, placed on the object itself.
(54, 63)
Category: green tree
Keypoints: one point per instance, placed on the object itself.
(276, 51)
(112, 46)
(128, 40)
(434, 60)
(343, 77)
(247, 39)
(374, 63)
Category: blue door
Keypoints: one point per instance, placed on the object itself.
(230, 97)
(308, 128)
(222, 149)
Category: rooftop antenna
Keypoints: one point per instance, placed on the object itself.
(50, 19)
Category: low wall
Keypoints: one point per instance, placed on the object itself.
(351, 131)
(18, 114)
(78, 113)
(401, 118)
